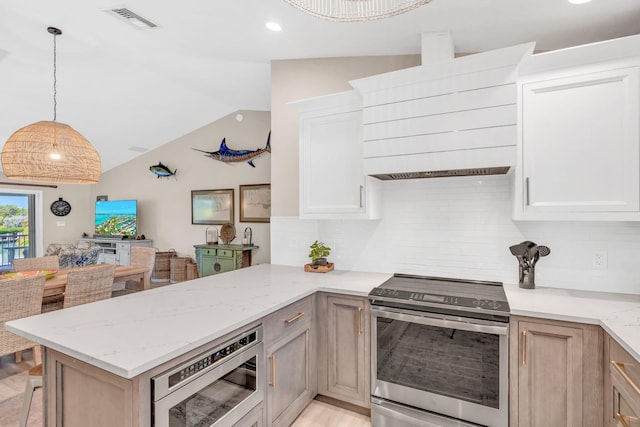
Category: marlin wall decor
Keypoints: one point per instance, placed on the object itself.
(162, 171)
(227, 155)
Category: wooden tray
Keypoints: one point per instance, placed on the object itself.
(318, 269)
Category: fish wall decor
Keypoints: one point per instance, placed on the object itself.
(162, 171)
(227, 155)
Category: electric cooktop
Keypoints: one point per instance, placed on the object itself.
(424, 293)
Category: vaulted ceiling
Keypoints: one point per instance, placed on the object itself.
(128, 90)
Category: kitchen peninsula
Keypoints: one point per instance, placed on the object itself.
(135, 337)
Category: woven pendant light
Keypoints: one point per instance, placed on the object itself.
(355, 10)
(50, 151)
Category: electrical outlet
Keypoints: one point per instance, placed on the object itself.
(600, 260)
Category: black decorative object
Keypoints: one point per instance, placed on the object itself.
(60, 207)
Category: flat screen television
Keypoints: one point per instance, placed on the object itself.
(116, 218)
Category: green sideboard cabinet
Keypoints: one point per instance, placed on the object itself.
(215, 259)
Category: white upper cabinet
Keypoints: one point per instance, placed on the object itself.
(332, 182)
(579, 142)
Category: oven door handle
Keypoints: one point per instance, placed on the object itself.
(427, 319)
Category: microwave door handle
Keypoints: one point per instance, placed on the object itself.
(442, 323)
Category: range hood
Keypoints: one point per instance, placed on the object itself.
(454, 117)
(502, 170)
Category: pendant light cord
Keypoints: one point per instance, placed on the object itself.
(55, 102)
(56, 32)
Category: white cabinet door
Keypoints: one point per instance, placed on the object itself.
(332, 182)
(580, 156)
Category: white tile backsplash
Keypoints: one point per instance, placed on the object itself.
(462, 227)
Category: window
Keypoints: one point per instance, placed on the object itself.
(20, 226)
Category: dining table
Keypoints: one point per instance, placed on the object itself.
(57, 284)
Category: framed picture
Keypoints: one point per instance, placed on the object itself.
(255, 203)
(212, 206)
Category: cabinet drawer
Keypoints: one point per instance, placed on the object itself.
(287, 319)
(625, 377)
(207, 251)
(123, 245)
(225, 252)
(625, 414)
(621, 356)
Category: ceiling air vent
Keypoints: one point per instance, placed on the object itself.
(444, 173)
(131, 17)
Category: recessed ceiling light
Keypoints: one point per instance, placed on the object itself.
(137, 149)
(273, 26)
(579, 1)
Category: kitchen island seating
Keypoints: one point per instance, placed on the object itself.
(40, 263)
(84, 285)
(21, 297)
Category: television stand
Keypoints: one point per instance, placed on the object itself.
(116, 251)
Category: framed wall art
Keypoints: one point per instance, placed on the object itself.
(255, 203)
(212, 206)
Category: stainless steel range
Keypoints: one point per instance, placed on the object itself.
(439, 353)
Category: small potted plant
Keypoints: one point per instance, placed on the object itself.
(318, 255)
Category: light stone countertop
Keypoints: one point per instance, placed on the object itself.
(618, 314)
(131, 334)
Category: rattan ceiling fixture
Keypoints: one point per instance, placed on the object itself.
(50, 151)
(355, 10)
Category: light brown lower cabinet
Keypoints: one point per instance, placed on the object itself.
(343, 348)
(291, 362)
(555, 373)
(78, 394)
(622, 386)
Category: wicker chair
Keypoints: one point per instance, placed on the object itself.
(40, 263)
(141, 257)
(21, 297)
(84, 285)
(88, 284)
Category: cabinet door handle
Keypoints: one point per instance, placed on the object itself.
(294, 318)
(362, 196)
(524, 347)
(272, 382)
(623, 419)
(360, 329)
(618, 367)
(526, 190)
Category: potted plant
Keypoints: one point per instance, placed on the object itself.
(319, 253)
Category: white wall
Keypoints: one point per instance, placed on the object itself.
(462, 227)
(164, 204)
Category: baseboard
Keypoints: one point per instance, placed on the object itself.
(344, 405)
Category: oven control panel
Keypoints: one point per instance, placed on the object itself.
(211, 359)
(182, 374)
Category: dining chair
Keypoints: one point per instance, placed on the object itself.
(21, 297)
(51, 262)
(88, 284)
(141, 256)
(84, 285)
